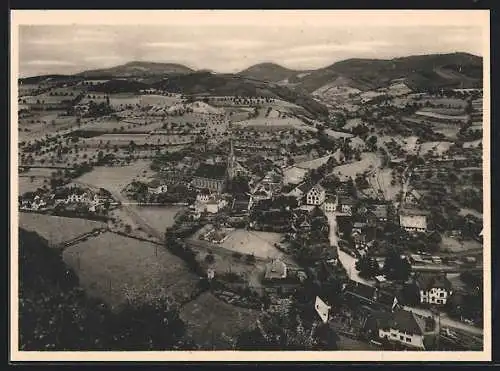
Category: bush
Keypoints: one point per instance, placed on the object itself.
(209, 258)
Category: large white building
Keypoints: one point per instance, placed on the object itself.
(413, 221)
(407, 328)
(316, 195)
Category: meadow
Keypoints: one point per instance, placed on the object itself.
(116, 269)
(57, 229)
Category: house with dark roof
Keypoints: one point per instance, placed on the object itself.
(413, 197)
(406, 328)
(381, 212)
(210, 176)
(346, 204)
(433, 288)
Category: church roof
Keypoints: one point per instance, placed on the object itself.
(216, 171)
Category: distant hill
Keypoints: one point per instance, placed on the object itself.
(271, 72)
(229, 84)
(420, 72)
(138, 69)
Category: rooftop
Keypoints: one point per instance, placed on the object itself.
(428, 281)
(211, 171)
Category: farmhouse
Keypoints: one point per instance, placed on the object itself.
(210, 176)
(413, 220)
(406, 328)
(316, 195)
(433, 289)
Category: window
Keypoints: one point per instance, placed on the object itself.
(401, 337)
(408, 340)
(441, 294)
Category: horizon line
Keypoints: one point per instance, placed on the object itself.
(194, 70)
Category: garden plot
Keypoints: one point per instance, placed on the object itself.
(116, 269)
(57, 229)
(212, 322)
(28, 184)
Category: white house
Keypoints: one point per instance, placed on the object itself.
(407, 328)
(330, 204)
(211, 205)
(158, 190)
(316, 195)
(413, 221)
(433, 289)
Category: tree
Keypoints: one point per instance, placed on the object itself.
(367, 267)
(396, 268)
(286, 329)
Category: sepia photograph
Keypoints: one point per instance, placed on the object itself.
(250, 185)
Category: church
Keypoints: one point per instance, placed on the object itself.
(214, 177)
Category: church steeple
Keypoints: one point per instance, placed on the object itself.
(231, 160)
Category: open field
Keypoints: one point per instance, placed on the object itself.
(368, 161)
(313, 164)
(27, 184)
(337, 134)
(158, 217)
(352, 123)
(38, 124)
(456, 245)
(448, 131)
(57, 229)
(275, 124)
(444, 111)
(119, 101)
(116, 269)
(114, 178)
(294, 175)
(209, 319)
(442, 116)
(257, 243)
(464, 211)
(473, 144)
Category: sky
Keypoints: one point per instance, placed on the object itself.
(225, 44)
